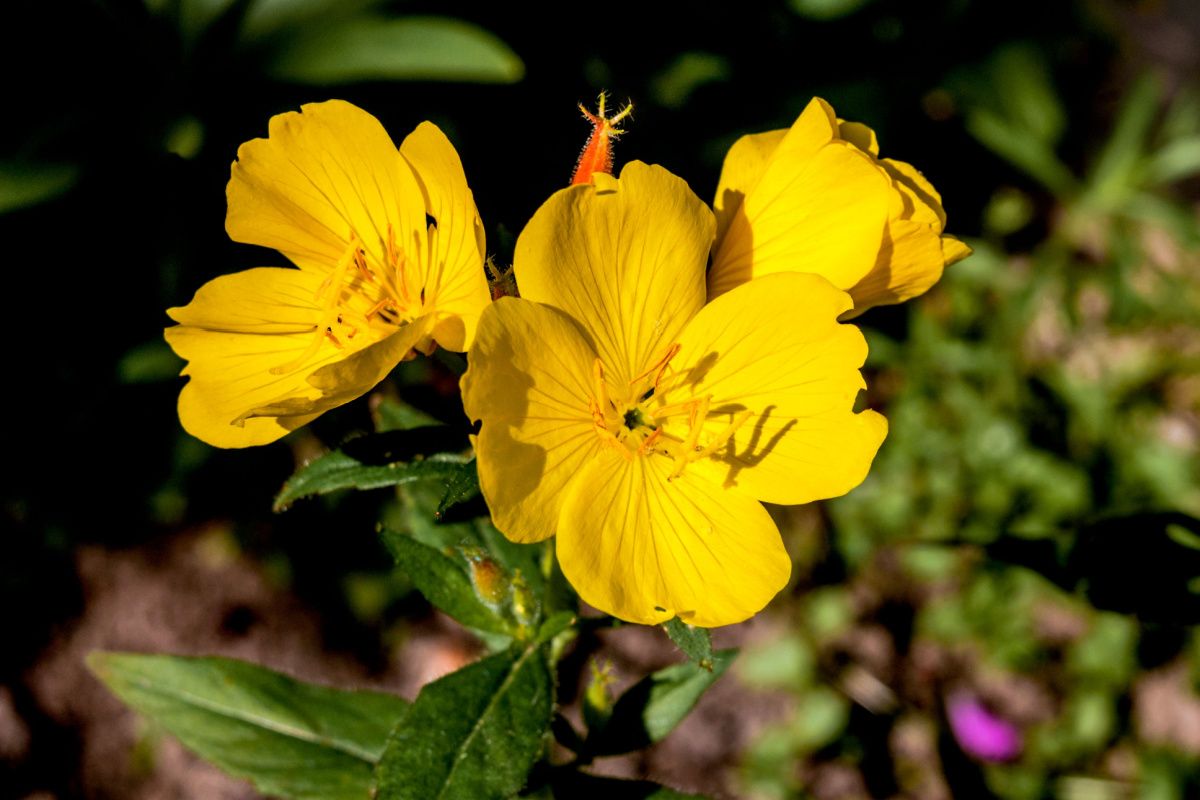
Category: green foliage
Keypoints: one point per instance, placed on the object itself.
(535, 587)
(470, 592)
(290, 739)
(825, 9)
(393, 415)
(687, 73)
(339, 469)
(652, 708)
(461, 487)
(473, 734)
(151, 362)
(412, 48)
(788, 662)
(696, 643)
(24, 184)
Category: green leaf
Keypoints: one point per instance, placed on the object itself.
(339, 470)
(150, 362)
(24, 184)
(1024, 90)
(653, 706)
(690, 71)
(696, 643)
(265, 18)
(824, 10)
(445, 582)
(416, 516)
(1113, 174)
(473, 734)
(367, 48)
(460, 487)
(554, 626)
(1023, 149)
(1175, 161)
(290, 739)
(393, 415)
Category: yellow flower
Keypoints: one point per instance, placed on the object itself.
(642, 426)
(816, 198)
(389, 250)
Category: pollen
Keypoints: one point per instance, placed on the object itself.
(597, 153)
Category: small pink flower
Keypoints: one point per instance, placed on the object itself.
(980, 732)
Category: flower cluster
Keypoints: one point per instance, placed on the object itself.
(667, 368)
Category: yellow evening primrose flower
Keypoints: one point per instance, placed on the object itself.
(817, 198)
(389, 254)
(644, 427)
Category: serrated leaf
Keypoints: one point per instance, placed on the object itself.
(290, 739)
(653, 706)
(445, 583)
(368, 47)
(460, 487)
(341, 470)
(473, 734)
(696, 643)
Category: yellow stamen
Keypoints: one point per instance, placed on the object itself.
(360, 261)
(696, 425)
(649, 442)
(601, 393)
(717, 443)
(328, 308)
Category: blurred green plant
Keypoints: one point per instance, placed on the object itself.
(1029, 527)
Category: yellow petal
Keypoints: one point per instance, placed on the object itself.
(774, 347)
(910, 261)
(644, 549)
(322, 174)
(529, 382)
(954, 250)
(819, 206)
(241, 327)
(859, 135)
(927, 201)
(623, 257)
(455, 283)
(914, 252)
(744, 165)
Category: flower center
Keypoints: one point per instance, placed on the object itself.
(362, 293)
(637, 420)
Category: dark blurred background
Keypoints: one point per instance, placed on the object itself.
(1051, 381)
